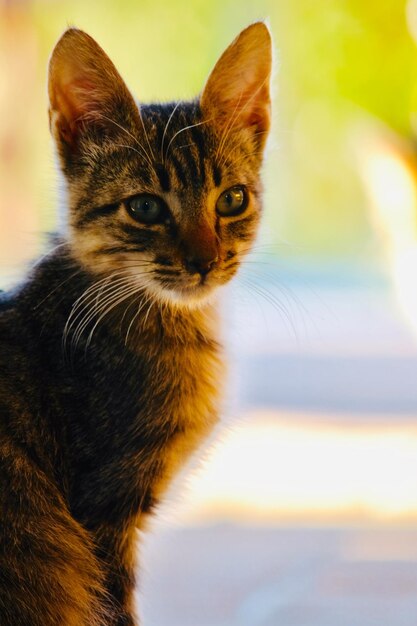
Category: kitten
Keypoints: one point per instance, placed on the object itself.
(110, 367)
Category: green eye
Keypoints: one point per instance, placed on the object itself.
(147, 209)
(233, 201)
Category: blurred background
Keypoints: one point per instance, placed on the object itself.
(303, 509)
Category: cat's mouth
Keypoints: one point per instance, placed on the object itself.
(181, 288)
(191, 289)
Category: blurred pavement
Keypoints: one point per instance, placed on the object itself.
(238, 576)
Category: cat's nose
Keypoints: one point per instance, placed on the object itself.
(196, 265)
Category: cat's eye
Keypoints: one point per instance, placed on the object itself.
(147, 209)
(232, 202)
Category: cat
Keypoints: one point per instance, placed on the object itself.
(110, 363)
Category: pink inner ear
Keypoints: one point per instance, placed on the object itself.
(252, 109)
(74, 101)
(79, 99)
(85, 89)
(238, 86)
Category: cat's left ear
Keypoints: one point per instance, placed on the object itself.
(86, 91)
(238, 89)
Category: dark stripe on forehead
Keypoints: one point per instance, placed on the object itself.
(179, 170)
(163, 177)
(198, 139)
(190, 165)
(217, 175)
(159, 129)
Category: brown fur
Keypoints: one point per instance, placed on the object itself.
(110, 366)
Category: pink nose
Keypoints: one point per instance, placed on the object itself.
(200, 248)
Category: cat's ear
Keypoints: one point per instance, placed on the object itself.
(238, 89)
(85, 90)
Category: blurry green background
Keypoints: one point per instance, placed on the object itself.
(337, 62)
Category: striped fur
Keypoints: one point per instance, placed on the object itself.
(110, 366)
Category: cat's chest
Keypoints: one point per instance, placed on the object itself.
(145, 421)
(190, 406)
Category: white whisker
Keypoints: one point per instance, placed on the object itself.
(44, 256)
(135, 139)
(110, 306)
(146, 134)
(135, 316)
(85, 300)
(165, 130)
(57, 287)
(182, 130)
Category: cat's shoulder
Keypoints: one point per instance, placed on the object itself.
(7, 300)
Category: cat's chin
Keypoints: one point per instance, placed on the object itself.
(186, 297)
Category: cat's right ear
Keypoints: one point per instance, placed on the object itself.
(237, 92)
(85, 91)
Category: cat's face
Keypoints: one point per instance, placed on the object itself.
(166, 195)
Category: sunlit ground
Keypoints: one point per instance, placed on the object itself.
(293, 520)
(290, 468)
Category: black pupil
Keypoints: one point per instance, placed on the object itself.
(229, 199)
(147, 206)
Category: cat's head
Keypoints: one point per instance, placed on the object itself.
(167, 195)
